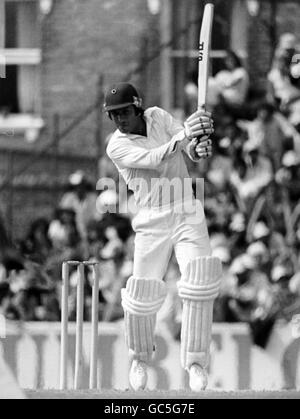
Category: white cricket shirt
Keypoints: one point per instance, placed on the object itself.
(153, 167)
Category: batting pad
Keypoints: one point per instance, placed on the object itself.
(141, 300)
(198, 289)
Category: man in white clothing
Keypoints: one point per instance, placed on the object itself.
(147, 149)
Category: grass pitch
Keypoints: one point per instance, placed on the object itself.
(114, 394)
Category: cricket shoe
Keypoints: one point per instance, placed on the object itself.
(198, 378)
(138, 375)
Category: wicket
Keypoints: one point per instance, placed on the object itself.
(79, 325)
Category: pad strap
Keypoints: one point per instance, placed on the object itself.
(202, 280)
(143, 297)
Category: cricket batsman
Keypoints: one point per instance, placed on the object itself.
(147, 149)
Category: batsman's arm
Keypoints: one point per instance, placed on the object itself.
(200, 122)
(199, 149)
(127, 155)
(196, 148)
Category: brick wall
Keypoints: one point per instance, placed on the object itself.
(80, 40)
(36, 191)
(289, 18)
(260, 42)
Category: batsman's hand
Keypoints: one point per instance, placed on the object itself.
(201, 149)
(198, 125)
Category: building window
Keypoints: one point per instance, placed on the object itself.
(20, 49)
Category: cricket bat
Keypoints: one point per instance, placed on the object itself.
(204, 54)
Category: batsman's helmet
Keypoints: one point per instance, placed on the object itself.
(121, 95)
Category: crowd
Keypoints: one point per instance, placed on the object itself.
(252, 190)
(30, 270)
(252, 205)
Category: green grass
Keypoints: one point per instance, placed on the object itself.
(114, 394)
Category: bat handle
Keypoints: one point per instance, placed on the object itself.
(201, 108)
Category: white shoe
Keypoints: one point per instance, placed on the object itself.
(198, 378)
(138, 375)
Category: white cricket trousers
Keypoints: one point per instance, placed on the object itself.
(158, 232)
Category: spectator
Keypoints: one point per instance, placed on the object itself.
(95, 240)
(252, 300)
(281, 87)
(37, 244)
(256, 174)
(294, 285)
(66, 242)
(11, 261)
(4, 240)
(34, 295)
(63, 229)
(288, 175)
(82, 200)
(222, 163)
(227, 285)
(285, 294)
(191, 93)
(267, 131)
(231, 86)
(261, 255)
(287, 44)
(113, 249)
(107, 204)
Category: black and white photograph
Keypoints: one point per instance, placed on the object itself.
(150, 202)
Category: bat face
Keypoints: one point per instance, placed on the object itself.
(204, 54)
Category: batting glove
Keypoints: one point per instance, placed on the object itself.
(199, 124)
(200, 149)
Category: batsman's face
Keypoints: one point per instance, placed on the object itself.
(126, 119)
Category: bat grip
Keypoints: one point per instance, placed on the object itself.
(198, 139)
(200, 108)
